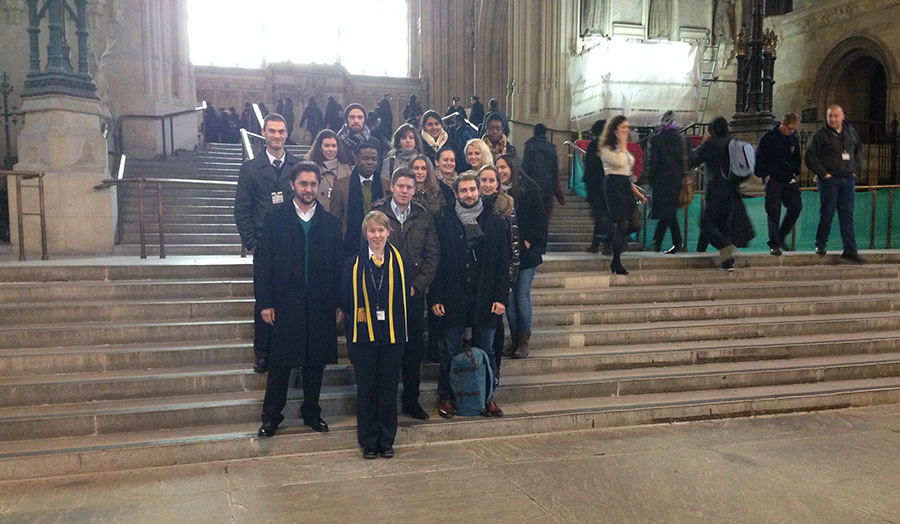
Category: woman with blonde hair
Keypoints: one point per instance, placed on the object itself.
(373, 299)
(478, 154)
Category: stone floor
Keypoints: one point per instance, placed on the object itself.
(826, 467)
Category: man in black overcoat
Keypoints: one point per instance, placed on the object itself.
(263, 183)
(665, 169)
(296, 280)
(471, 285)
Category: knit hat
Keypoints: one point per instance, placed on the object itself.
(354, 106)
(668, 118)
(540, 130)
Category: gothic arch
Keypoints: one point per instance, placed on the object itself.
(857, 54)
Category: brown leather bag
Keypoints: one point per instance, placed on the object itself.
(686, 195)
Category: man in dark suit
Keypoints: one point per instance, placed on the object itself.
(471, 286)
(263, 183)
(353, 197)
(296, 280)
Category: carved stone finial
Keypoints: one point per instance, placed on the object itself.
(770, 41)
(740, 43)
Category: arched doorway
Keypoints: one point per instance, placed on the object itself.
(855, 75)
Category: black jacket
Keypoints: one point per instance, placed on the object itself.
(713, 153)
(531, 215)
(778, 156)
(492, 265)
(594, 174)
(665, 169)
(541, 163)
(253, 199)
(305, 329)
(417, 241)
(393, 306)
(826, 148)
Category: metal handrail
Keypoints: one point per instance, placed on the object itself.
(246, 148)
(119, 141)
(159, 202)
(576, 148)
(28, 175)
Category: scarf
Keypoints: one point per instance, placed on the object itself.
(433, 143)
(352, 140)
(395, 275)
(469, 218)
(499, 148)
(403, 157)
(446, 179)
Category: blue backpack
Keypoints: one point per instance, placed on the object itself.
(471, 380)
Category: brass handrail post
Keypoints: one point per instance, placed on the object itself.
(159, 204)
(20, 217)
(141, 208)
(43, 217)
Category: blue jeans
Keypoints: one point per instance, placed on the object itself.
(519, 312)
(482, 337)
(837, 193)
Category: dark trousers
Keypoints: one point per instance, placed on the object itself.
(778, 194)
(499, 342)
(261, 333)
(714, 222)
(414, 351)
(660, 233)
(277, 389)
(837, 193)
(376, 369)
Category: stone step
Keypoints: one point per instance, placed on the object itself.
(134, 250)
(173, 238)
(127, 268)
(133, 228)
(132, 217)
(150, 209)
(159, 447)
(130, 191)
(144, 414)
(564, 246)
(38, 313)
(132, 202)
(56, 292)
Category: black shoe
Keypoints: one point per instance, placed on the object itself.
(727, 264)
(415, 411)
(674, 249)
(605, 249)
(387, 452)
(775, 251)
(853, 256)
(268, 429)
(317, 424)
(261, 366)
(786, 248)
(820, 250)
(593, 248)
(370, 454)
(618, 269)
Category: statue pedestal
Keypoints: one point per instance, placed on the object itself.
(62, 139)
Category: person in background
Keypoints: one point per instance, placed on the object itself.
(413, 109)
(405, 144)
(325, 153)
(724, 213)
(541, 161)
(594, 178)
(618, 164)
(531, 219)
(385, 113)
(312, 117)
(494, 107)
(374, 295)
(355, 132)
(665, 170)
(494, 137)
(778, 165)
(333, 115)
(456, 108)
(413, 233)
(476, 115)
(289, 118)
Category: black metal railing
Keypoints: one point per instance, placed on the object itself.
(168, 118)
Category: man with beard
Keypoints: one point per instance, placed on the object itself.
(296, 281)
(471, 285)
(354, 133)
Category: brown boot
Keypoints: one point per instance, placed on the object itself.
(524, 340)
(513, 344)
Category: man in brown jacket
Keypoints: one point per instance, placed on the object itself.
(413, 233)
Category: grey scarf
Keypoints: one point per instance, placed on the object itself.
(469, 218)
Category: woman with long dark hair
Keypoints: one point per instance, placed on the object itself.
(326, 153)
(428, 193)
(620, 191)
(446, 173)
(434, 136)
(531, 218)
(405, 144)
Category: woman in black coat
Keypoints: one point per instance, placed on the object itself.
(724, 221)
(373, 299)
(531, 217)
(665, 169)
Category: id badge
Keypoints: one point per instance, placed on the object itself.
(277, 197)
(845, 156)
(380, 315)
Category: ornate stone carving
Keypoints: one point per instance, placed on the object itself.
(660, 16)
(592, 17)
(770, 41)
(98, 63)
(13, 11)
(723, 22)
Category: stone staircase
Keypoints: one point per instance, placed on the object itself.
(199, 220)
(130, 364)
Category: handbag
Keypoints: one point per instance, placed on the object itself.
(686, 194)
